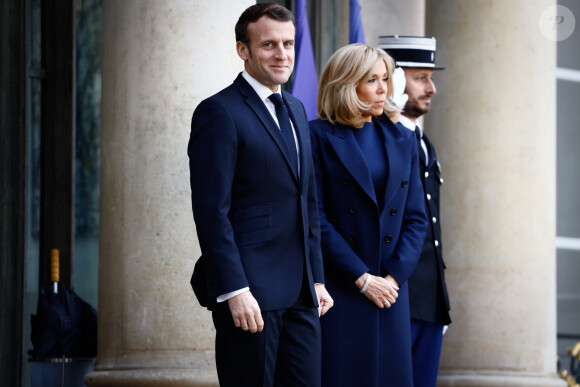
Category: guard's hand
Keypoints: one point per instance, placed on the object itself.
(325, 302)
(246, 312)
(399, 83)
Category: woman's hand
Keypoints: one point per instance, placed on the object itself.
(381, 291)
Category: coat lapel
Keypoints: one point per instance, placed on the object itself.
(348, 151)
(257, 105)
(396, 155)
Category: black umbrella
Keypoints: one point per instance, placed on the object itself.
(64, 325)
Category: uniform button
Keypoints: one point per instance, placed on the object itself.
(405, 183)
(394, 212)
(434, 219)
(436, 243)
(352, 239)
(428, 197)
(353, 210)
(441, 180)
(388, 239)
(344, 181)
(426, 174)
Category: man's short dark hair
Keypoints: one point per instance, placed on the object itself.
(256, 11)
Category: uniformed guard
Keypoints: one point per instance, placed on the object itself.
(428, 297)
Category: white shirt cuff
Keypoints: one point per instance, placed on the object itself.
(227, 296)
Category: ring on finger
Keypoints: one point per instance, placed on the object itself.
(386, 302)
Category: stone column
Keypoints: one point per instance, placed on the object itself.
(494, 125)
(160, 59)
(392, 17)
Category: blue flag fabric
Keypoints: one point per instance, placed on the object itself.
(305, 85)
(356, 34)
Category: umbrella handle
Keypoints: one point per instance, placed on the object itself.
(55, 268)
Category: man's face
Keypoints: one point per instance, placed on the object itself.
(269, 59)
(420, 88)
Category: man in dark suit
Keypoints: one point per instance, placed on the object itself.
(428, 297)
(256, 214)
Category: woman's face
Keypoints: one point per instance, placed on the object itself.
(373, 91)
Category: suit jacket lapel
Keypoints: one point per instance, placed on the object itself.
(298, 129)
(348, 151)
(257, 105)
(430, 149)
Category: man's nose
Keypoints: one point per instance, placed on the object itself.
(431, 89)
(281, 52)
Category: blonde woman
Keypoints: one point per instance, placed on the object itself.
(372, 219)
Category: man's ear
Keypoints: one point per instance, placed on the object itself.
(243, 50)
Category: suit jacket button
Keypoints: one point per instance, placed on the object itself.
(426, 174)
(344, 181)
(428, 197)
(353, 210)
(436, 243)
(405, 183)
(352, 239)
(388, 239)
(394, 212)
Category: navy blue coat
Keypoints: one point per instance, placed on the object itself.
(257, 221)
(362, 344)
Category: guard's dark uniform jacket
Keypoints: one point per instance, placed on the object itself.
(427, 290)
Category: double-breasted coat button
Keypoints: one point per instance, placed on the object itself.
(352, 239)
(344, 181)
(441, 180)
(405, 183)
(428, 197)
(353, 210)
(434, 219)
(436, 243)
(388, 239)
(426, 174)
(394, 212)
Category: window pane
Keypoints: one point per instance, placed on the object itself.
(35, 36)
(568, 160)
(568, 53)
(87, 144)
(568, 269)
(32, 215)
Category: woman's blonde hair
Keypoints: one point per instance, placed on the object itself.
(349, 66)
